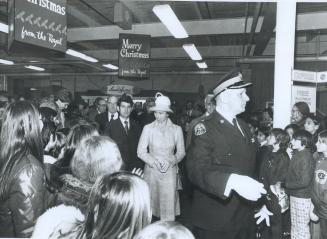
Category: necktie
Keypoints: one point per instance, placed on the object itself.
(112, 117)
(235, 122)
(126, 126)
(237, 126)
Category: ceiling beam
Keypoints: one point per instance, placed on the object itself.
(254, 26)
(267, 29)
(80, 16)
(203, 27)
(307, 21)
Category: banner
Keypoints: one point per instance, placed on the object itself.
(134, 56)
(38, 22)
(306, 94)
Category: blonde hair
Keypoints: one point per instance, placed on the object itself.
(164, 230)
(119, 205)
(94, 157)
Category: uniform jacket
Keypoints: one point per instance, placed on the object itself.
(162, 142)
(319, 187)
(300, 174)
(25, 199)
(191, 127)
(218, 149)
(127, 143)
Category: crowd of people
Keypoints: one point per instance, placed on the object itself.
(116, 169)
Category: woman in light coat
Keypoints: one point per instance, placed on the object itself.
(157, 146)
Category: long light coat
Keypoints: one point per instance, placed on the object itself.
(160, 141)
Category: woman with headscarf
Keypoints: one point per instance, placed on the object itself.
(161, 147)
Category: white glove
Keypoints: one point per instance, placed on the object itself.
(313, 216)
(245, 186)
(263, 214)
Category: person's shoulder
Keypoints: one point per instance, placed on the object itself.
(201, 127)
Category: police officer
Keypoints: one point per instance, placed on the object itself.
(221, 162)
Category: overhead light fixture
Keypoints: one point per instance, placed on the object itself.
(3, 27)
(5, 62)
(80, 55)
(202, 65)
(192, 52)
(170, 20)
(36, 68)
(110, 66)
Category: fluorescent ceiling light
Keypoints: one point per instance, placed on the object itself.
(110, 66)
(202, 65)
(36, 68)
(80, 55)
(170, 20)
(192, 52)
(3, 27)
(6, 62)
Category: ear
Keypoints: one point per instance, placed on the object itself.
(123, 234)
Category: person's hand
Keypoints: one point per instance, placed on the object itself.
(246, 187)
(263, 214)
(313, 216)
(138, 172)
(164, 165)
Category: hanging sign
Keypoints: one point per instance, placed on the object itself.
(134, 56)
(41, 23)
(305, 94)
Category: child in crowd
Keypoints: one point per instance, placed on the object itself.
(262, 134)
(291, 129)
(298, 182)
(313, 124)
(272, 175)
(166, 230)
(319, 186)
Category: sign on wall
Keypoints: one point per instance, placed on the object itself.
(38, 22)
(305, 94)
(134, 56)
(304, 76)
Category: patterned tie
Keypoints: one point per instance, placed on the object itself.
(126, 126)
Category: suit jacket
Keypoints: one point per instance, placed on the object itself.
(102, 120)
(217, 150)
(127, 143)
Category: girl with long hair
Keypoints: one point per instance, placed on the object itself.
(22, 178)
(118, 208)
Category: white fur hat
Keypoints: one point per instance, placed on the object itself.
(162, 103)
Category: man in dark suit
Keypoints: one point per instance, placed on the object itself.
(221, 163)
(105, 117)
(126, 133)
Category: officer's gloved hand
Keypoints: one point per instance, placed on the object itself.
(245, 186)
(313, 216)
(263, 214)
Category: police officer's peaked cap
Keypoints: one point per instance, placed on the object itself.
(232, 80)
